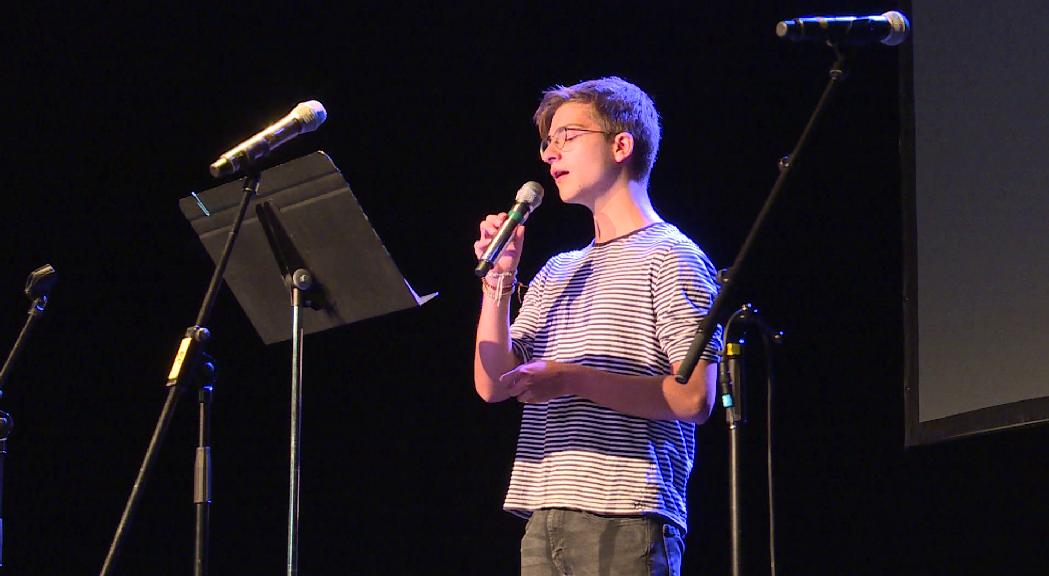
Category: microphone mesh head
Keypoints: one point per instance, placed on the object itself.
(900, 28)
(311, 114)
(531, 193)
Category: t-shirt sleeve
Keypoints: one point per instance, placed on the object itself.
(527, 323)
(684, 288)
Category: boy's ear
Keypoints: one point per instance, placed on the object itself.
(622, 146)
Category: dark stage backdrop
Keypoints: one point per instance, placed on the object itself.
(113, 115)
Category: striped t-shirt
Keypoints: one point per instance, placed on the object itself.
(631, 306)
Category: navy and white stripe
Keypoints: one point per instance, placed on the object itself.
(628, 306)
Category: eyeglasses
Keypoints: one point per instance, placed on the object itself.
(561, 138)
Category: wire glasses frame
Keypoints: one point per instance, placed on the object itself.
(561, 138)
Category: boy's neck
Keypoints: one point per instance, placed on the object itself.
(622, 210)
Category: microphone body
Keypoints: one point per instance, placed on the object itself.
(890, 28)
(529, 197)
(306, 117)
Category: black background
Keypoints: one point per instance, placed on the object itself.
(112, 115)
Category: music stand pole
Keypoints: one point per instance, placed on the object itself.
(300, 282)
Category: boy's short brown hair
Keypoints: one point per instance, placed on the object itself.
(620, 107)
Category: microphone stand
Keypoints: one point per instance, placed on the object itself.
(202, 467)
(190, 365)
(730, 278)
(37, 288)
(732, 388)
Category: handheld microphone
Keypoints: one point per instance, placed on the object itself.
(529, 197)
(306, 117)
(890, 28)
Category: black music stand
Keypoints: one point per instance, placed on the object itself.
(309, 244)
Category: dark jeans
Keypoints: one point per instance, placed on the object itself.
(560, 542)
